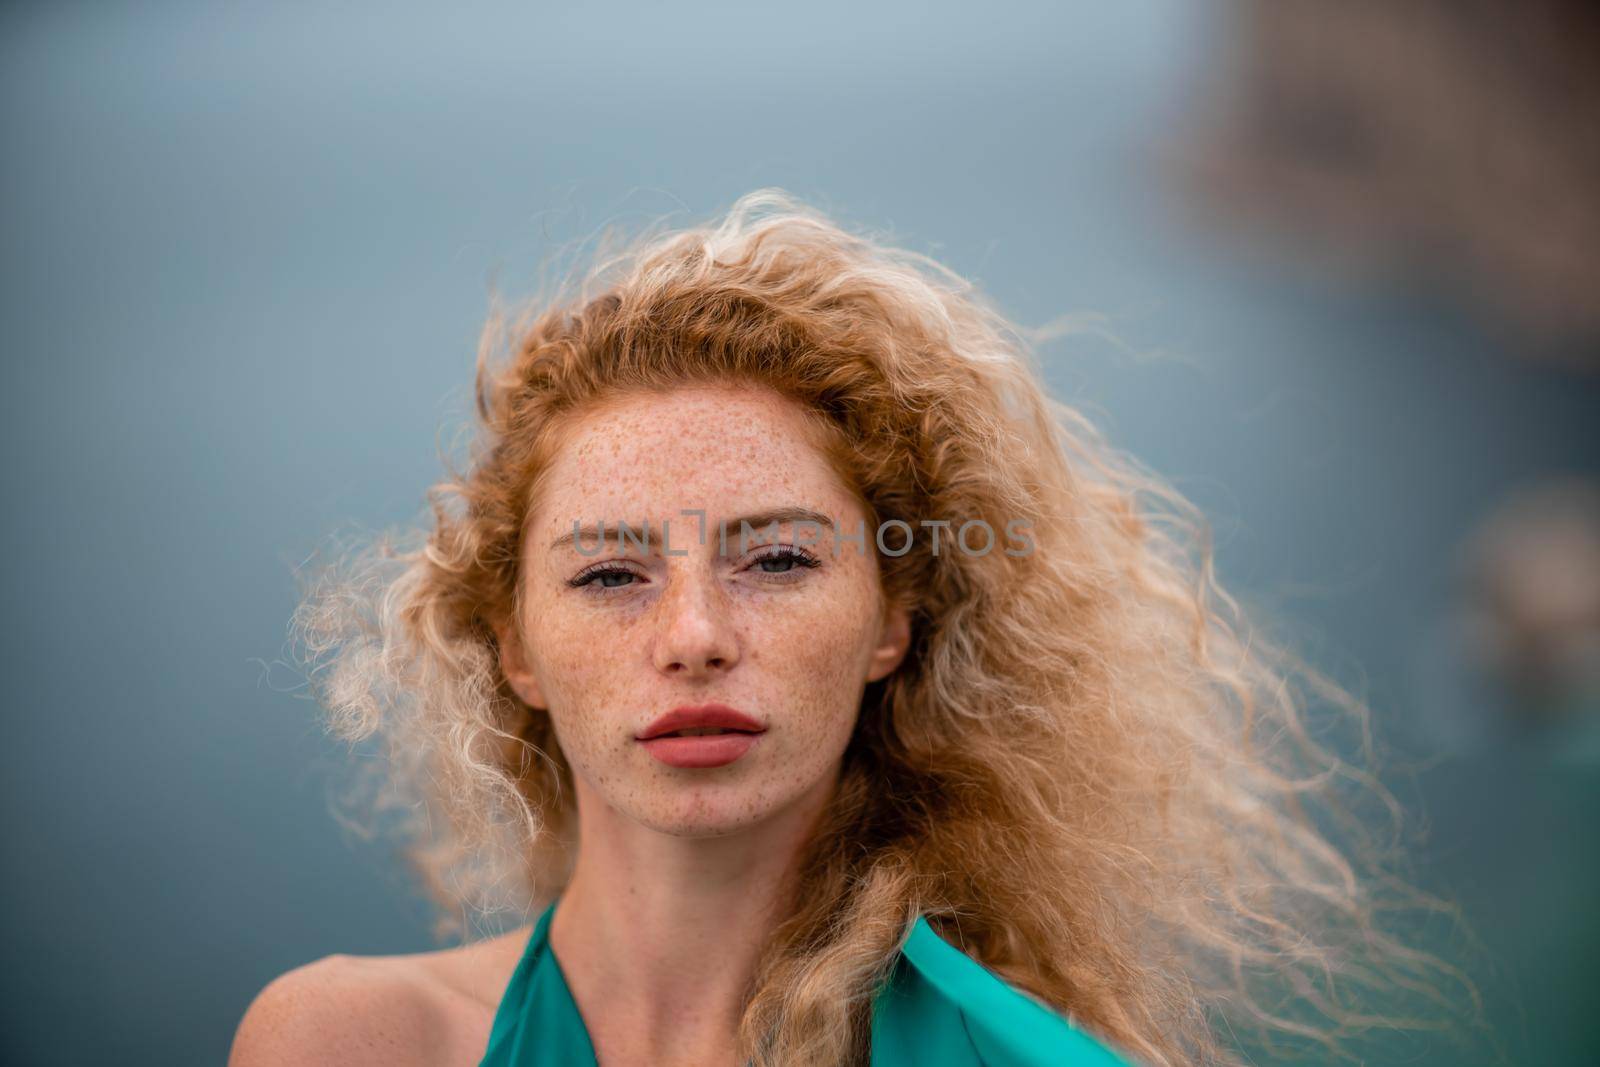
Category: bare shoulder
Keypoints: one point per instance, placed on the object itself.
(341, 1010)
(395, 1011)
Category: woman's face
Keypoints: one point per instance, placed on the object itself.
(786, 627)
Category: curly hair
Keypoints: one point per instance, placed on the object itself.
(1091, 771)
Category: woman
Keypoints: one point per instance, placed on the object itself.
(1029, 796)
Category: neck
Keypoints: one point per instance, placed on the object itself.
(658, 935)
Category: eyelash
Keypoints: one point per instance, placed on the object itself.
(799, 556)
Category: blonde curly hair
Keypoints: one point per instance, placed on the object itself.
(1090, 772)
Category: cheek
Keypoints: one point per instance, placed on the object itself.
(810, 667)
(584, 690)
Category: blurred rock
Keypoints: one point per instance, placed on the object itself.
(1531, 581)
(1447, 144)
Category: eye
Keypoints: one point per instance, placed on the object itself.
(783, 560)
(604, 576)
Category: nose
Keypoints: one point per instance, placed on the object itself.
(695, 636)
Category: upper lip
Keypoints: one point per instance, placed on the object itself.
(700, 715)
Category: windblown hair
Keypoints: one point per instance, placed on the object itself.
(1091, 771)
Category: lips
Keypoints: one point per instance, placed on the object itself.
(695, 738)
(701, 719)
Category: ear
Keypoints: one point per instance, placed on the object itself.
(514, 665)
(894, 638)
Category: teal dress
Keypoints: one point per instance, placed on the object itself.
(940, 1008)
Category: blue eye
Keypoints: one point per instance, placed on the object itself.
(784, 559)
(603, 574)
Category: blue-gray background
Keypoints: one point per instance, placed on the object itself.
(246, 254)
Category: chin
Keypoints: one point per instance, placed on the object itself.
(698, 811)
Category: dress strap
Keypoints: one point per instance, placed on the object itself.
(537, 1022)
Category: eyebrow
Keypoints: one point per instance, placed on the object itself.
(756, 520)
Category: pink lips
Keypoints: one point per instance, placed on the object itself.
(705, 750)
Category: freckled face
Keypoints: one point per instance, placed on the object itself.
(786, 627)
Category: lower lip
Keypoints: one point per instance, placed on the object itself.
(704, 750)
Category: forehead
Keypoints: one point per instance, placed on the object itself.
(720, 447)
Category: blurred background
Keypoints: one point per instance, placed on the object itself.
(1336, 271)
